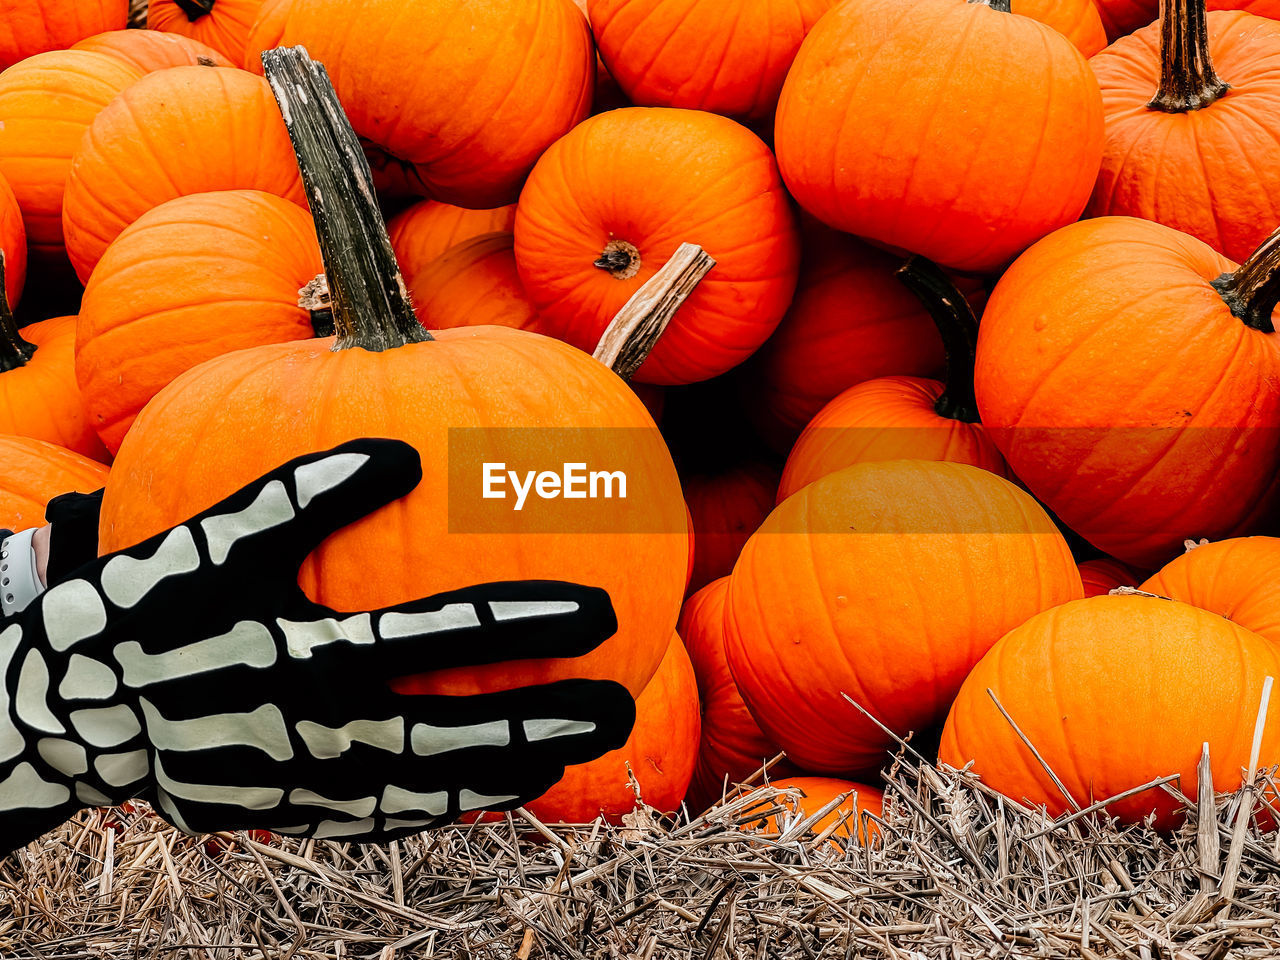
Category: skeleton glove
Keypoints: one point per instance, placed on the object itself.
(193, 671)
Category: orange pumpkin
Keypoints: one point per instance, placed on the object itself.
(1104, 575)
(465, 116)
(885, 581)
(607, 206)
(47, 103)
(231, 418)
(727, 507)
(28, 27)
(221, 24)
(427, 229)
(472, 284)
(13, 246)
(189, 280)
(1125, 371)
(1167, 110)
(732, 746)
(815, 793)
(1234, 578)
(1120, 17)
(1077, 20)
(728, 58)
(174, 132)
(150, 50)
(660, 752)
(904, 418)
(955, 130)
(851, 321)
(34, 473)
(1136, 685)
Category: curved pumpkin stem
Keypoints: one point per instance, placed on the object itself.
(958, 328)
(1253, 290)
(1003, 6)
(632, 334)
(371, 307)
(1187, 78)
(14, 351)
(620, 258)
(195, 9)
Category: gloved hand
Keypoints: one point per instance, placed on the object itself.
(193, 671)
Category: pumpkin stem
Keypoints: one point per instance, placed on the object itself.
(1253, 290)
(631, 335)
(14, 351)
(957, 326)
(371, 307)
(1003, 6)
(1187, 78)
(195, 9)
(620, 258)
(314, 298)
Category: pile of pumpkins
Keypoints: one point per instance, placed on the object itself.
(857, 513)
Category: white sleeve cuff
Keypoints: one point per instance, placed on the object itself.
(19, 578)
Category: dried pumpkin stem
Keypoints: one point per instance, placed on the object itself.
(1187, 78)
(371, 307)
(14, 351)
(620, 258)
(1003, 6)
(1253, 290)
(195, 9)
(958, 328)
(631, 335)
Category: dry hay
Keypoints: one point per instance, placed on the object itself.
(960, 872)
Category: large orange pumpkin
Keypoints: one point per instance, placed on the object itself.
(150, 50)
(465, 115)
(904, 418)
(1115, 692)
(1105, 574)
(728, 58)
(732, 746)
(13, 246)
(47, 103)
(726, 508)
(660, 752)
(35, 472)
(1077, 20)
(1236, 579)
(464, 397)
(1120, 17)
(887, 582)
(28, 27)
(815, 793)
(954, 130)
(174, 132)
(1127, 372)
(222, 24)
(609, 204)
(472, 284)
(1167, 110)
(191, 279)
(427, 229)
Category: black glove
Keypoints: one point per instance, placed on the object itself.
(73, 534)
(192, 670)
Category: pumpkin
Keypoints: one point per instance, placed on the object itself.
(141, 151)
(13, 246)
(1125, 371)
(852, 320)
(904, 418)
(728, 58)
(607, 206)
(189, 280)
(47, 103)
(460, 397)
(465, 116)
(1105, 574)
(1135, 686)
(609, 95)
(851, 818)
(1168, 110)
(1120, 17)
(955, 130)
(150, 50)
(732, 746)
(35, 472)
(886, 581)
(472, 284)
(221, 24)
(28, 27)
(726, 507)
(1232, 578)
(660, 752)
(427, 229)
(1078, 21)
